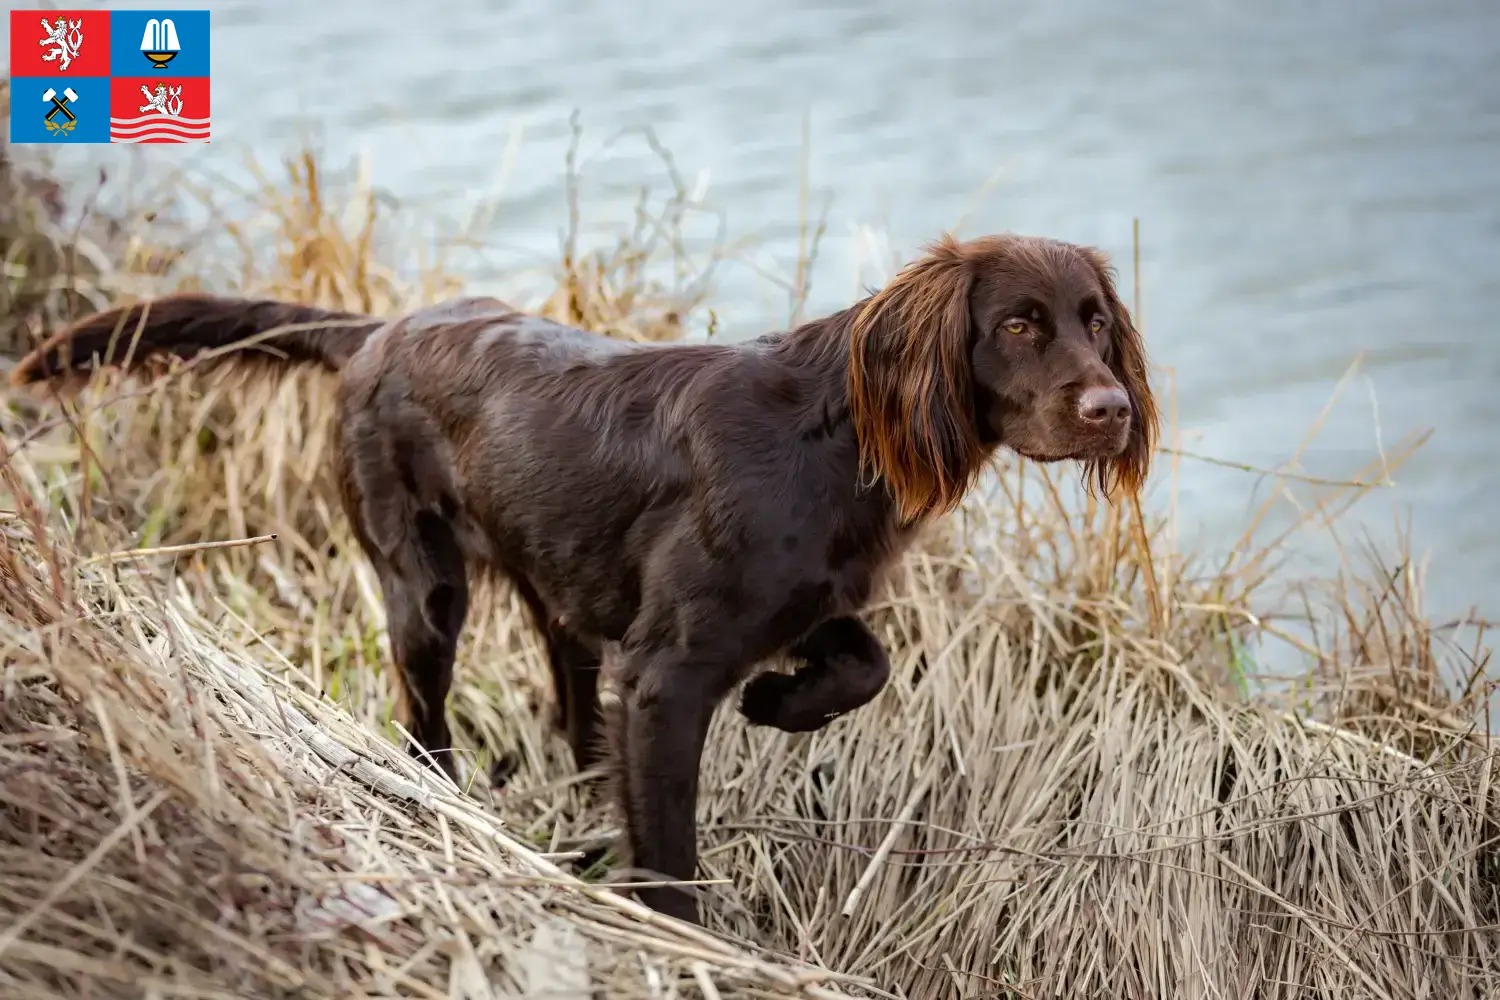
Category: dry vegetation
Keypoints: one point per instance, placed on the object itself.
(1065, 792)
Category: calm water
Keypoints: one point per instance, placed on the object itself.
(1314, 179)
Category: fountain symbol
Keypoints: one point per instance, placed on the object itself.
(159, 42)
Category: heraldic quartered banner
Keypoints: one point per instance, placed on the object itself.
(103, 76)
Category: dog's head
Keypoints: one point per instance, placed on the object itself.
(1001, 341)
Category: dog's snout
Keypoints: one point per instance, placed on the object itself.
(1103, 406)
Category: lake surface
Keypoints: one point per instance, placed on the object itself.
(1314, 180)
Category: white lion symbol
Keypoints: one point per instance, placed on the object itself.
(66, 37)
(168, 102)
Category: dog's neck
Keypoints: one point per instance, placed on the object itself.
(822, 342)
(818, 351)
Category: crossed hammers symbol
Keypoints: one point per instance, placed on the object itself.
(62, 105)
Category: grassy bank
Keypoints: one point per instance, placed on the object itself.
(1065, 791)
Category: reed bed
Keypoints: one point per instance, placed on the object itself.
(1068, 790)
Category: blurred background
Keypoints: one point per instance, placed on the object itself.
(1317, 185)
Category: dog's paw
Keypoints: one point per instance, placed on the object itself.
(762, 700)
(779, 701)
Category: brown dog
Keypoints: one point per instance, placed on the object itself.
(695, 508)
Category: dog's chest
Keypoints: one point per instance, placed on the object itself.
(863, 569)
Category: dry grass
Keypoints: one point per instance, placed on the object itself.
(55, 265)
(1065, 792)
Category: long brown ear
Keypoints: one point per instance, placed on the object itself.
(1128, 363)
(910, 384)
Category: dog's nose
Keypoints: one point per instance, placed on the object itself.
(1104, 406)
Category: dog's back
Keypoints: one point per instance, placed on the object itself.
(557, 455)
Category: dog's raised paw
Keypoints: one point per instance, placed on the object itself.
(763, 702)
(781, 702)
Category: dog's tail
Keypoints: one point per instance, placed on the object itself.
(187, 325)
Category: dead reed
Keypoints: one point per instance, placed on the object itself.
(1067, 790)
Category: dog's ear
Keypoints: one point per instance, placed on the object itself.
(1127, 361)
(910, 384)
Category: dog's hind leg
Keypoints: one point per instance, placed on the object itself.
(575, 676)
(575, 684)
(395, 476)
(426, 592)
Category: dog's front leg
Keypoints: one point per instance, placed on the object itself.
(659, 731)
(845, 668)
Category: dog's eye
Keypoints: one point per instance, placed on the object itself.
(1016, 326)
(1096, 325)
